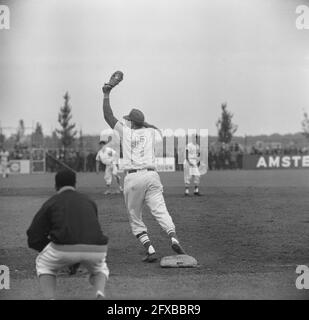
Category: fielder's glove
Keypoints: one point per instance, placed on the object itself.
(113, 81)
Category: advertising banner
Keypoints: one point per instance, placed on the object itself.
(259, 162)
(19, 166)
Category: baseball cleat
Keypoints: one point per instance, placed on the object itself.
(150, 257)
(177, 248)
(107, 192)
(73, 269)
(99, 295)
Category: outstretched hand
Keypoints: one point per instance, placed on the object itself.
(107, 88)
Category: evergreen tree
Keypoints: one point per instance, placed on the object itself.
(67, 132)
(2, 138)
(305, 125)
(38, 136)
(20, 135)
(81, 140)
(226, 128)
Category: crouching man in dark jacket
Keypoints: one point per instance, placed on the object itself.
(66, 231)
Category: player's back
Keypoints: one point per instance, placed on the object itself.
(74, 219)
(138, 148)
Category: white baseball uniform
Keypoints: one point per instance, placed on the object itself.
(192, 170)
(107, 156)
(4, 155)
(143, 184)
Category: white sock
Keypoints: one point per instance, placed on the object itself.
(151, 249)
(100, 293)
(174, 240)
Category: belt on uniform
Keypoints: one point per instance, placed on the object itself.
(136, 170)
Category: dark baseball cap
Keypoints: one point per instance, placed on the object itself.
(136, 116)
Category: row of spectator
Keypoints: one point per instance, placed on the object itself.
(220, 156)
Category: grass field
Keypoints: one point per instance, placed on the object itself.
(248, 232)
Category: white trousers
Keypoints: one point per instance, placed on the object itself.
(4, 168)
(145, 187)
(191, 172)
(55, 257)
(110, 171)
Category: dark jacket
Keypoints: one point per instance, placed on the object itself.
(69, 217)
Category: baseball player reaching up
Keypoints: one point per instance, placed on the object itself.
(107, 156)
(142, 183)
(191, 169)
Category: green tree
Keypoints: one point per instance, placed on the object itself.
(2, 139)
(20, 135)
(305, 125)
(38, 136)
(67, 132)
(225, 126)
(81, 140)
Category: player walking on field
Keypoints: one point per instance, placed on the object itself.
(191, 168)
(107, 156)
(4, 156)
(141, 183)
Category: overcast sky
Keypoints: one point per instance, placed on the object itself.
(181, 59)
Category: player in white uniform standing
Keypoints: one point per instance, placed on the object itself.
(191, 169)
(108, 157)
(4, 155)
(142, 183)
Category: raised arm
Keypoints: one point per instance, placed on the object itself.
(107, 110)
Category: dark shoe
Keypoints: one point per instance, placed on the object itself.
(177, 248)
(197, 194)
(73, 269)
(150, 257)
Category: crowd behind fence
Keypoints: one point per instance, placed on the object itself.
(220, 156)
(80, 161)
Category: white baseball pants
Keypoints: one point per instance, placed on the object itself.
(55, 257)
(191, 172)
(110, 171)
(145, 187)
(4, 168)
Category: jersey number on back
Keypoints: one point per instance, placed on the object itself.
(139, 142)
